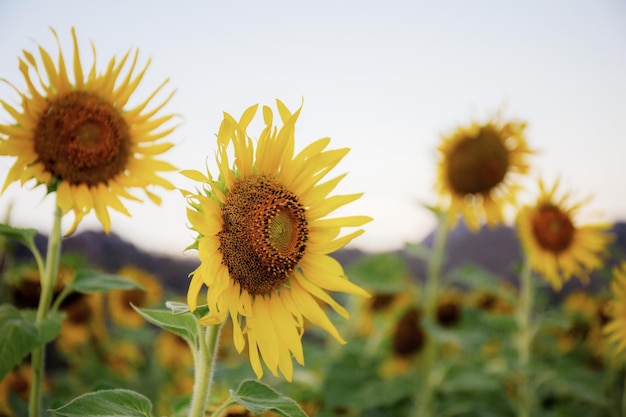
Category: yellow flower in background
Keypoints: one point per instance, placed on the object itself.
(81, 138)
(556, 246)
(477, 171)
(615, 329)
(84, 322)
(173, 352)
(119, 301)
(264, 239)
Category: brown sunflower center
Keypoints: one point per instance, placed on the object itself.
(478, 163)
(135, 297)
(553, 229)
(264, 234)
(82, 139)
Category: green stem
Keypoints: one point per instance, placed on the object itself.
(219, 410)
(525, 336)
(47, 284)
(429, 302)
(205, 360)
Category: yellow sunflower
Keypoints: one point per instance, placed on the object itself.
(264, 238)
(81, 138)
(615, 329)
(120, 302)
(477, 170)
(557, 247)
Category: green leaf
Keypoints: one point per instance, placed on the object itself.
(18, 337)
(260, 398)
(182, 324)
(384, 273)
(87, 281)
(25, 236)
(110, 403)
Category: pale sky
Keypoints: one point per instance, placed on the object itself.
(385, 79)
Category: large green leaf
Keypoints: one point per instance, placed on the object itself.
(109, 403)
(19, 335)
(260, 398)
(182, 324)
(87, 281)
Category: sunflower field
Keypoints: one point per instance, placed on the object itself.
(276, 316)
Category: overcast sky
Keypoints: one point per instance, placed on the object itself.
(385, 78)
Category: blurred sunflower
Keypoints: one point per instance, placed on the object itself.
(120, 302)
(264, 239)
(173, 352)
(555, 245)
(80, 137)
(84, 322)
(615, 329)
(478, 168)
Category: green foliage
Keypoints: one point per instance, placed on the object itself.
(19, 335)
(382, 273)
(107, 403)
(182, 324)
(260, 398)
(88, 281)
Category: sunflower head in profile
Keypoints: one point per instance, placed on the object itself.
(477, 171)
(615, 329)
(264, 238)
(76, 133)
(556, 246)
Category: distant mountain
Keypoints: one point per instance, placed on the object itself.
(495, 249)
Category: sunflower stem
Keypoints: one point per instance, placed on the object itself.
(47, 284)
(204, 368)
(524, 341)
(423, 403)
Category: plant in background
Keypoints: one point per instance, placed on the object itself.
(558, 248)
(478, 169)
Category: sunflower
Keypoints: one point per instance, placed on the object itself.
(477, 171)
(121, 302)
(264, 239)
(557, 247)
(81, 138)
(615, 328)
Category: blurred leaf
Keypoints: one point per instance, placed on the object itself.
(87, 281)
(25, 236)
(183, 324)
(18, 336)
(477, 278)
(260, 398)
(418, 250)
(383, 273)
(110, 403)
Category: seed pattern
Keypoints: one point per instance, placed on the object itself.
(264, 234)
(553, 229)
(82, 139)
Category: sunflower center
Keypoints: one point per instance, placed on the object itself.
(478, 163)
(82, 139)
(553, 229)
(135, 296)
(264, 234)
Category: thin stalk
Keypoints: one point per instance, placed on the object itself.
(525, 336)
(204, 366)
(47, 284)
(429, 302)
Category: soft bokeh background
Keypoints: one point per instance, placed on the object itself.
(386, 79)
